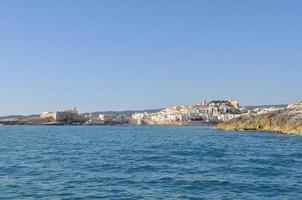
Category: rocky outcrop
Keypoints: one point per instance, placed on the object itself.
(295, 106)
(287, 120)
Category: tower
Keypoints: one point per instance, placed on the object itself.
(204, 102)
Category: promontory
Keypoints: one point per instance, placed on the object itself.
(286, 120)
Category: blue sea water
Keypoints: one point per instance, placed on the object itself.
(121, 162)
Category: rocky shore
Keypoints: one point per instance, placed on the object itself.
(288, 120)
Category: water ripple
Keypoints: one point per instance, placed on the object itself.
(39, 162)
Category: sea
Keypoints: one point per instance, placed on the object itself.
(147, 162)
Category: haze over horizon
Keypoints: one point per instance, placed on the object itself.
(132, 55)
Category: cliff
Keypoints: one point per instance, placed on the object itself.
(288, 120)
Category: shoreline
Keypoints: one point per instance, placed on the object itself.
(159, 125)
(85, 125)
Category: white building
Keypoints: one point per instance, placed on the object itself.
(113, 118)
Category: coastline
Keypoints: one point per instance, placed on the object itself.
(16, 123)
(221, 114)
(220, 127)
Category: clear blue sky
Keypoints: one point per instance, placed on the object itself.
(135, 54)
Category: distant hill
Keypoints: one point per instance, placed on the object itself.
(126, 112)
(18, 116)
(12, 116)
(266, 106)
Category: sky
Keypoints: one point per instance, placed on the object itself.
(139, 54)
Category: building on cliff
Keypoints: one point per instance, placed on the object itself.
(70, 115)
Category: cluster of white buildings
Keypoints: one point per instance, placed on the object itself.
(143, 115)
(108, 119)
(213, 111)
(113, 118)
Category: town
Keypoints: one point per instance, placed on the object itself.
(204, 113)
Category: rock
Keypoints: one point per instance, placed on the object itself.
(295, 106)
(287, 120)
